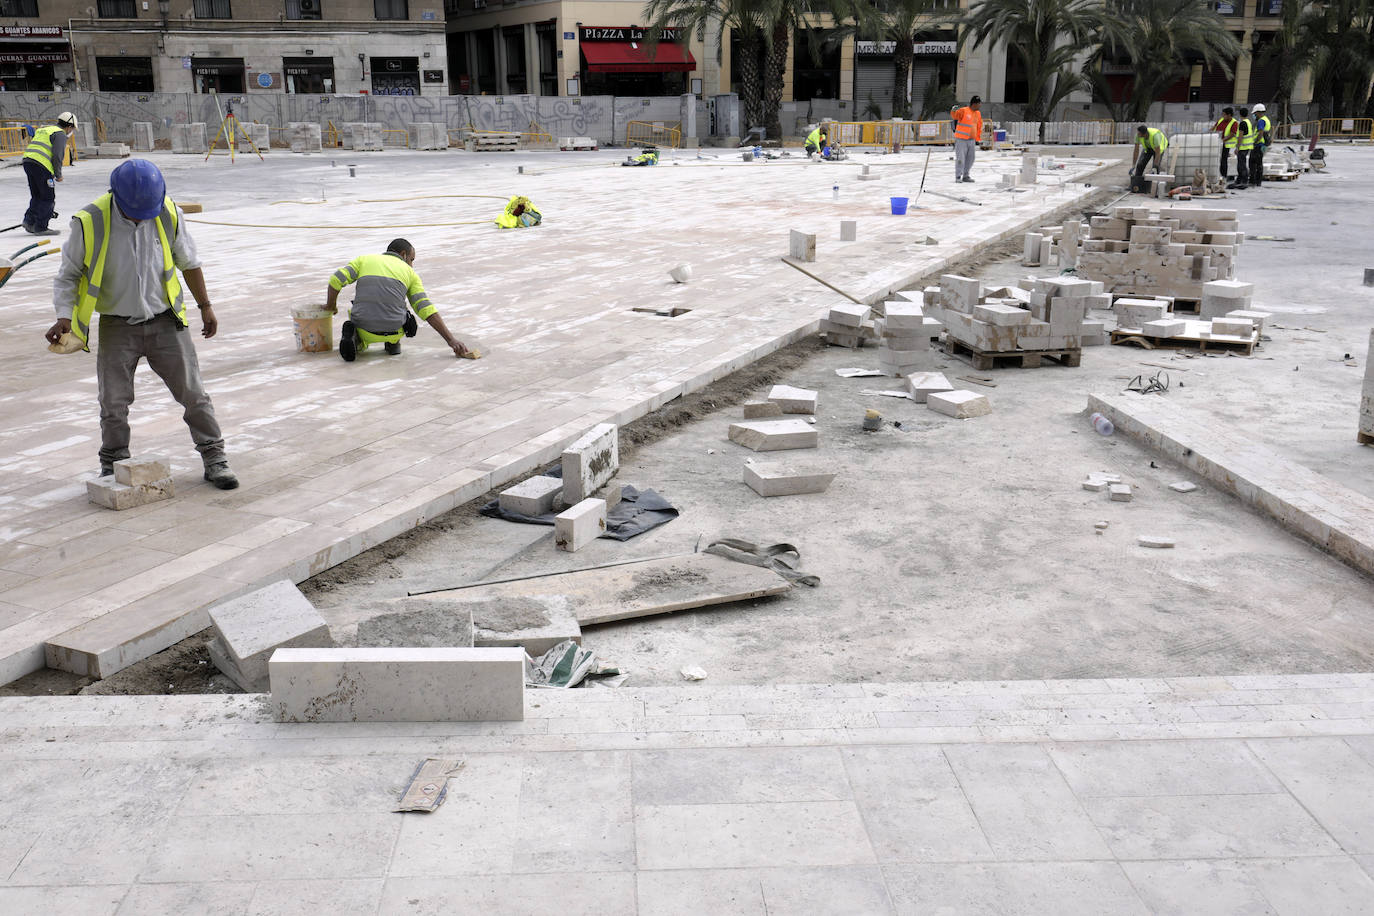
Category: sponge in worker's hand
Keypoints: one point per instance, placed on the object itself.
(67, 343)
(472, 354)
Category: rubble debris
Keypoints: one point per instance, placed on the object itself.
(693, 673)
(428, 787)
(563, 666)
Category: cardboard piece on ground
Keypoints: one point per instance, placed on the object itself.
(639, 589)
(428, 785)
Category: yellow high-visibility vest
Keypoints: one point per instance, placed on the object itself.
(1247, 136)
(94, 219)
(40, 147)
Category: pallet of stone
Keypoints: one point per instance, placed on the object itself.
(568, 144)
(1194, 336)
(495, 143)
(1024, 359)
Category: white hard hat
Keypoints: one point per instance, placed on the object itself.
(67, 117)
(1258, 108)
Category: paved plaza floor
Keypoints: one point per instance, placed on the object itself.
(334, 457)
(1179, 795)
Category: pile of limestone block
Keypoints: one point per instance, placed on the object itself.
(362, 136)
(305, 137)
(428, 135)
(1046, 313)
(900, 326)
(1224, 311)
(587, 465)
(1169, 251)
(189, 138)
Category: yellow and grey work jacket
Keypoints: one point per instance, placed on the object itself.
(41, 149)
(94, 219)
(530, 216)
(386, 285)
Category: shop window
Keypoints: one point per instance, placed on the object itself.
(391, 9)
(309, 74)
(395, 76)
(18, 9)
(303, 9)
(116, 9)
(815, 67)
(124, 74)
(213, 9)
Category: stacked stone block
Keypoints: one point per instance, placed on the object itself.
(1049, 315)
(305, 136)
(903, 339)
(189, 138)
(846, 325)
(143, 136)
(259, 134)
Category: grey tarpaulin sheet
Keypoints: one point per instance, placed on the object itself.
(639, 511)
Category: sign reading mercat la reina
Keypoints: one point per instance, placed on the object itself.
(31, 31)
(625, 33)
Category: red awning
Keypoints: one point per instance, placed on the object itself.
(633, 57)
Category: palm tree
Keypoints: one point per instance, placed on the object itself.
(1338, 36)
(747, 19)
(1162, 39)
(897, 21)
(1048, 35)
(1287, 53)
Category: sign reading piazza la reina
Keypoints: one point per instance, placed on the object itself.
(625, 33)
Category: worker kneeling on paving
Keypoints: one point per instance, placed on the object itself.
(818, 143)
(387, 284)
(121, 260)
(520, 213)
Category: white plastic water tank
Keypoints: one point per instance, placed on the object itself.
(1189, 152)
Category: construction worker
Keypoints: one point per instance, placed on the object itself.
(43, 166)
(1264, 135)
(520, 213)
(1245, 143)
(1226, 126)
(1152, 143)
(648, 157)
(387, 284)
(121, 260)
(968, 130)
(816, 142)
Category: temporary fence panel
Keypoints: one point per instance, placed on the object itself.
(654, 133)
(13, 141)
(1347, 128)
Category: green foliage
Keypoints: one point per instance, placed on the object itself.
(1337, 38)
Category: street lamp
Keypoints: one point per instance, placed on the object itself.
(164, 7)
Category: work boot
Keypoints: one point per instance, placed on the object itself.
(967, 180)
(32, 231)
(411, 326)
(348, 343)
(392, 348)
(220, 475)
(106, 469)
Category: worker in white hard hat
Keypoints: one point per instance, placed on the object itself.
(43, 166)
(1264, 135)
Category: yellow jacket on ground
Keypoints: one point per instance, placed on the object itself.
(529, 214)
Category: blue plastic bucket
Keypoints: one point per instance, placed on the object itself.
(899, 206)
(999, 136)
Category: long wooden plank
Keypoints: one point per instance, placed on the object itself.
(658, 586)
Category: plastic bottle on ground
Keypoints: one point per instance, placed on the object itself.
(1102, 424)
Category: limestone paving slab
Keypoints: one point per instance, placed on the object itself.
(557, 362)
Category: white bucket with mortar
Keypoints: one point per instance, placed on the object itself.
(314, 329)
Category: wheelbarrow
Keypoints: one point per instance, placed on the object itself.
(9, 265)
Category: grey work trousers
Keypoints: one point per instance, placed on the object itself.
(170, 353)
(963, 157)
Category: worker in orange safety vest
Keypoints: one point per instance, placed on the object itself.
(968, 130)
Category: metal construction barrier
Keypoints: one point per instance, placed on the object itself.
(13, 141)
(1070, 132)
(885, 133)
(653, 133)
(1346, 128)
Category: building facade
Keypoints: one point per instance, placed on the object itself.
(384, 47)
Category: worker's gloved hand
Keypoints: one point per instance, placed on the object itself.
(54, 334)
(459, 350)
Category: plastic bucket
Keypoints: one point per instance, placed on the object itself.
(314, 329)
(999, 136)
(899, 206)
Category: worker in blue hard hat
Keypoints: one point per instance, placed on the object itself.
(121, 260)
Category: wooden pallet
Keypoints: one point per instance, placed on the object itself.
(1287, 176)
(1024, 359)
(1203, 344)
(567, 149)
(1364, 438)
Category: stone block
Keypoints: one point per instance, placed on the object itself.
(143, 136)
(1256, 319)
(905, 342)
(251, 627)
(254, 137)
(535, 623)
(113, 150)
(1121, 492)
(1228, 289)
(135, 471)
(1001, 315)
(305, 137)
(398, 685)
(1183, 486)
(850, 315)
(1150, 540)
(754, 410)
(107, 492)
(901, 315)
(774, 435)
(189, 138)
(958, 404)
(801, 246)
(1093, 334)
(923, 384)
(1238, 327)
(960, 293)
(900, 363)
(1030, 257)
(362, 136)
(932, 327)
(579, 526)
(793, 400)
(1046, 252)
(849, 230)
(1095, 484)
(1166, 327)
(778, 479)
(590, 461)
(533, 497)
